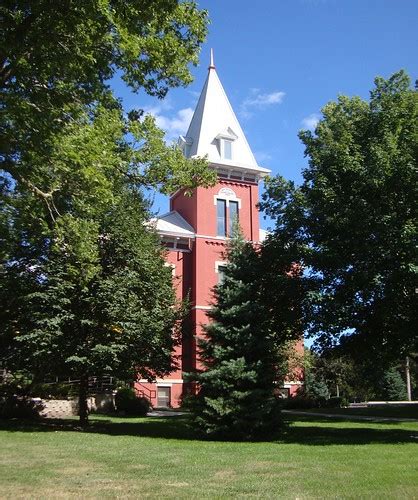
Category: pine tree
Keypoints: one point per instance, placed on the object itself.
(236, 388)
(393, 386)
(315, 387)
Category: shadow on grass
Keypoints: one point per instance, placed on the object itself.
(178, 428)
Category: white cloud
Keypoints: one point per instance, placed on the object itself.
(258, 100)
(261, 100)
(262, 156)
(174, 125)
(310, 122)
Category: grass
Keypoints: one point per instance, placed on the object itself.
(160, 458)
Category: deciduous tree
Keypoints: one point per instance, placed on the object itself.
(82, 276)
(354, 220)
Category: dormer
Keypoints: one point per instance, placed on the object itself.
(226, 144)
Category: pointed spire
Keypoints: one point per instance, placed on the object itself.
(212, 64)
(213, 123)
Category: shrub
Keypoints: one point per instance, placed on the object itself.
(52, 391)
(334, 402)
(13, 406)
(127, 401)
(301, 402)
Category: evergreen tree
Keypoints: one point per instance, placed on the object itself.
(315, 387)
(236, 388)
(393, 386)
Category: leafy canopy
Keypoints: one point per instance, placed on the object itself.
(353, 221)
(82, 275)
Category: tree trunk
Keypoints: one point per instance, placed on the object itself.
(408, 379)
(338, 390)
(83, 410)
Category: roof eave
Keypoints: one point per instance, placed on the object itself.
(176, 235)
(260, 171)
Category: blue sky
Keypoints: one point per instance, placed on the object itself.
(281, 61)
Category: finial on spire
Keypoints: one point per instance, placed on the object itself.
(212, 64)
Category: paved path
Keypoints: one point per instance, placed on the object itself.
(349, 417)
(165, 413)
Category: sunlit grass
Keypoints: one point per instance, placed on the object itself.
(160, 458)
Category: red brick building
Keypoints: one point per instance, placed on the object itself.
(196, 229)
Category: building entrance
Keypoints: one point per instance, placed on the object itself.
(163, 397)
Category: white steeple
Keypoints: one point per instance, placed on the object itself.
(215, 131)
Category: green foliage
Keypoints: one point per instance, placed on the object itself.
(53, 390)
(240, 356)
(13, 406)
(352, 223)
(127, 401)
(94, 308)
(393, 386)
(58, 56)
(83, 285)
(315, 387)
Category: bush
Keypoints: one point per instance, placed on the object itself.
(13, 406)
(334, 402)
(53, 391)
(127, 401)
(300, 402)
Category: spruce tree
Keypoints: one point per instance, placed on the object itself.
(235, 397)
(393, 386)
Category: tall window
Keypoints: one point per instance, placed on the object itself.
(221, 217)
(233, 216)
(226, 216)
(227, 146)
(221, 274)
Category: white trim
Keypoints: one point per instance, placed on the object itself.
(219, 263)
(173, 234)
(202, 308)
(221, 238)
(161, 381)
(207, 237)
(179, 250)
(227, 194)
(228, 134)
(259, 172)
(177, 241)
(288, 385)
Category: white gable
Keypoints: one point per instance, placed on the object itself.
(173, 224)
(213, 124)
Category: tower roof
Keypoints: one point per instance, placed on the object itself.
(213, 125)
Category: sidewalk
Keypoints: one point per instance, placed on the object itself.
(349, 417)
(165, 413)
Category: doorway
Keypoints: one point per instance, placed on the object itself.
(163, 397)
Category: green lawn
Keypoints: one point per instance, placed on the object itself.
(158, 458)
